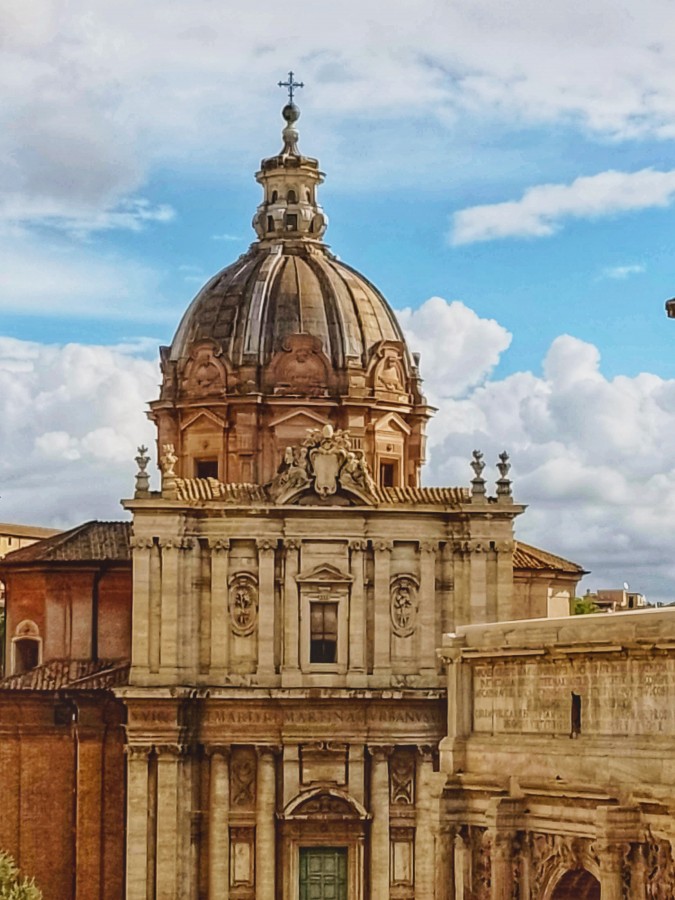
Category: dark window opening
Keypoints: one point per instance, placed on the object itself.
(323, 633)
(291, 222)
(275, 196)
(576, 715)
(387, 474)
(270, 223)
(206, 468)
(292, 197)
(26, 655)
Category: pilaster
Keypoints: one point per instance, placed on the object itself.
(291, 661)
(357, 614)
(424, 835)
(427, 617)
(266, 615)
(219, 838)
(140, 649)
(265, 830)
(168, 646)
(220, 619)
(379, 832)
(137, 821)
(382, 630)
(168, 763)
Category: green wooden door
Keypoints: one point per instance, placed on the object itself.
(323, 873)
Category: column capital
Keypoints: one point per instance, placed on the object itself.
(142, 543)
(430, 547)
(222, 750)
(219, 545)
(380, 752)
(137, 751)
(169, 543)
(291, 544)
(425, 752)
(266, 545)
(262, 750)
(383, 546)
(358, 546)
(611, 854)
(165, 751)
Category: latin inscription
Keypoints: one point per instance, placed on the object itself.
(623, 696)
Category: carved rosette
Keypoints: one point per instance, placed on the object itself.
(243, 603)
(403, 605)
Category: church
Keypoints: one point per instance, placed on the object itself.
(242, 693)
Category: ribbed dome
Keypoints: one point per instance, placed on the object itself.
(285, 288)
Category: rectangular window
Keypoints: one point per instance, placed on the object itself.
(387, 474)
(206, 468)
(323, 632)
(291, 222)
(576, 715)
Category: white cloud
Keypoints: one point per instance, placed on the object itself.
(593, 457)
(71, 418)
(96, 95)
(541, 210)
(620, 273)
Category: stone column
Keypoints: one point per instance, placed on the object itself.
(137, 822)
(424, 821)
(379, 830)
(478, 582)
(611, 881)
(266, 613)
(505, 609)
(445, 863)
(140, 648)
(452, 746)
(502, 866)
(357, 615)
(427, 616)
(382, 601)
(219, 838)
(168, 763)
(168, 648)
(265, 830)
(220, 617)
(291, 660)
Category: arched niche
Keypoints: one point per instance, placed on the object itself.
(26, 647)
(577, 884)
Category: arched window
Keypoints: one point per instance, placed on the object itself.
(275, 196)
(26, 647)
(291, 197)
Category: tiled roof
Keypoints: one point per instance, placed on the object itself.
(92, 541)
(527, 557)
(26, 531)
(191, 490)
(74, 674)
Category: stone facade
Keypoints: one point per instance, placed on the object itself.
(559, 758)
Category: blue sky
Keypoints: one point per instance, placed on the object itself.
(513, 156)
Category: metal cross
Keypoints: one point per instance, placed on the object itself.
(291, 85)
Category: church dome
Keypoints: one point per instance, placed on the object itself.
(249, 309)
(287, 339)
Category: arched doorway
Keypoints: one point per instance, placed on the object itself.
(578, 884)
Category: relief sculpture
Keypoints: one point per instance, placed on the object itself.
(404, 590)
(660, 870)
(402, 774)
(242, 777)
(243, 603)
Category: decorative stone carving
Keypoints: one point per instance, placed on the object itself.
(142, 477)
(503, 482)
(141, 543)
(219, 546)
(242, 777)
(478, 482)
(204, 373)
(168, 461)
(301, 368)
(243, 603)
(325, 462)
(480, 842)
(325, 806)
(402, 777)
(404, 602)
(659, 869)
(389, 374)
(554, 853)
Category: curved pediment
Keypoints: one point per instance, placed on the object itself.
(322, 803)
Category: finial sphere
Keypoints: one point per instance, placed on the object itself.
(291, 113)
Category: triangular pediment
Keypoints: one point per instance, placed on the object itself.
(298, 417)
(203, 416)
(324, 573)
(392, 422)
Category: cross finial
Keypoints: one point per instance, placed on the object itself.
(291, 84)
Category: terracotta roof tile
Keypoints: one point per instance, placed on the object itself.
(94, 541)
(527, 557)
(74, 674)
(195, 490)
